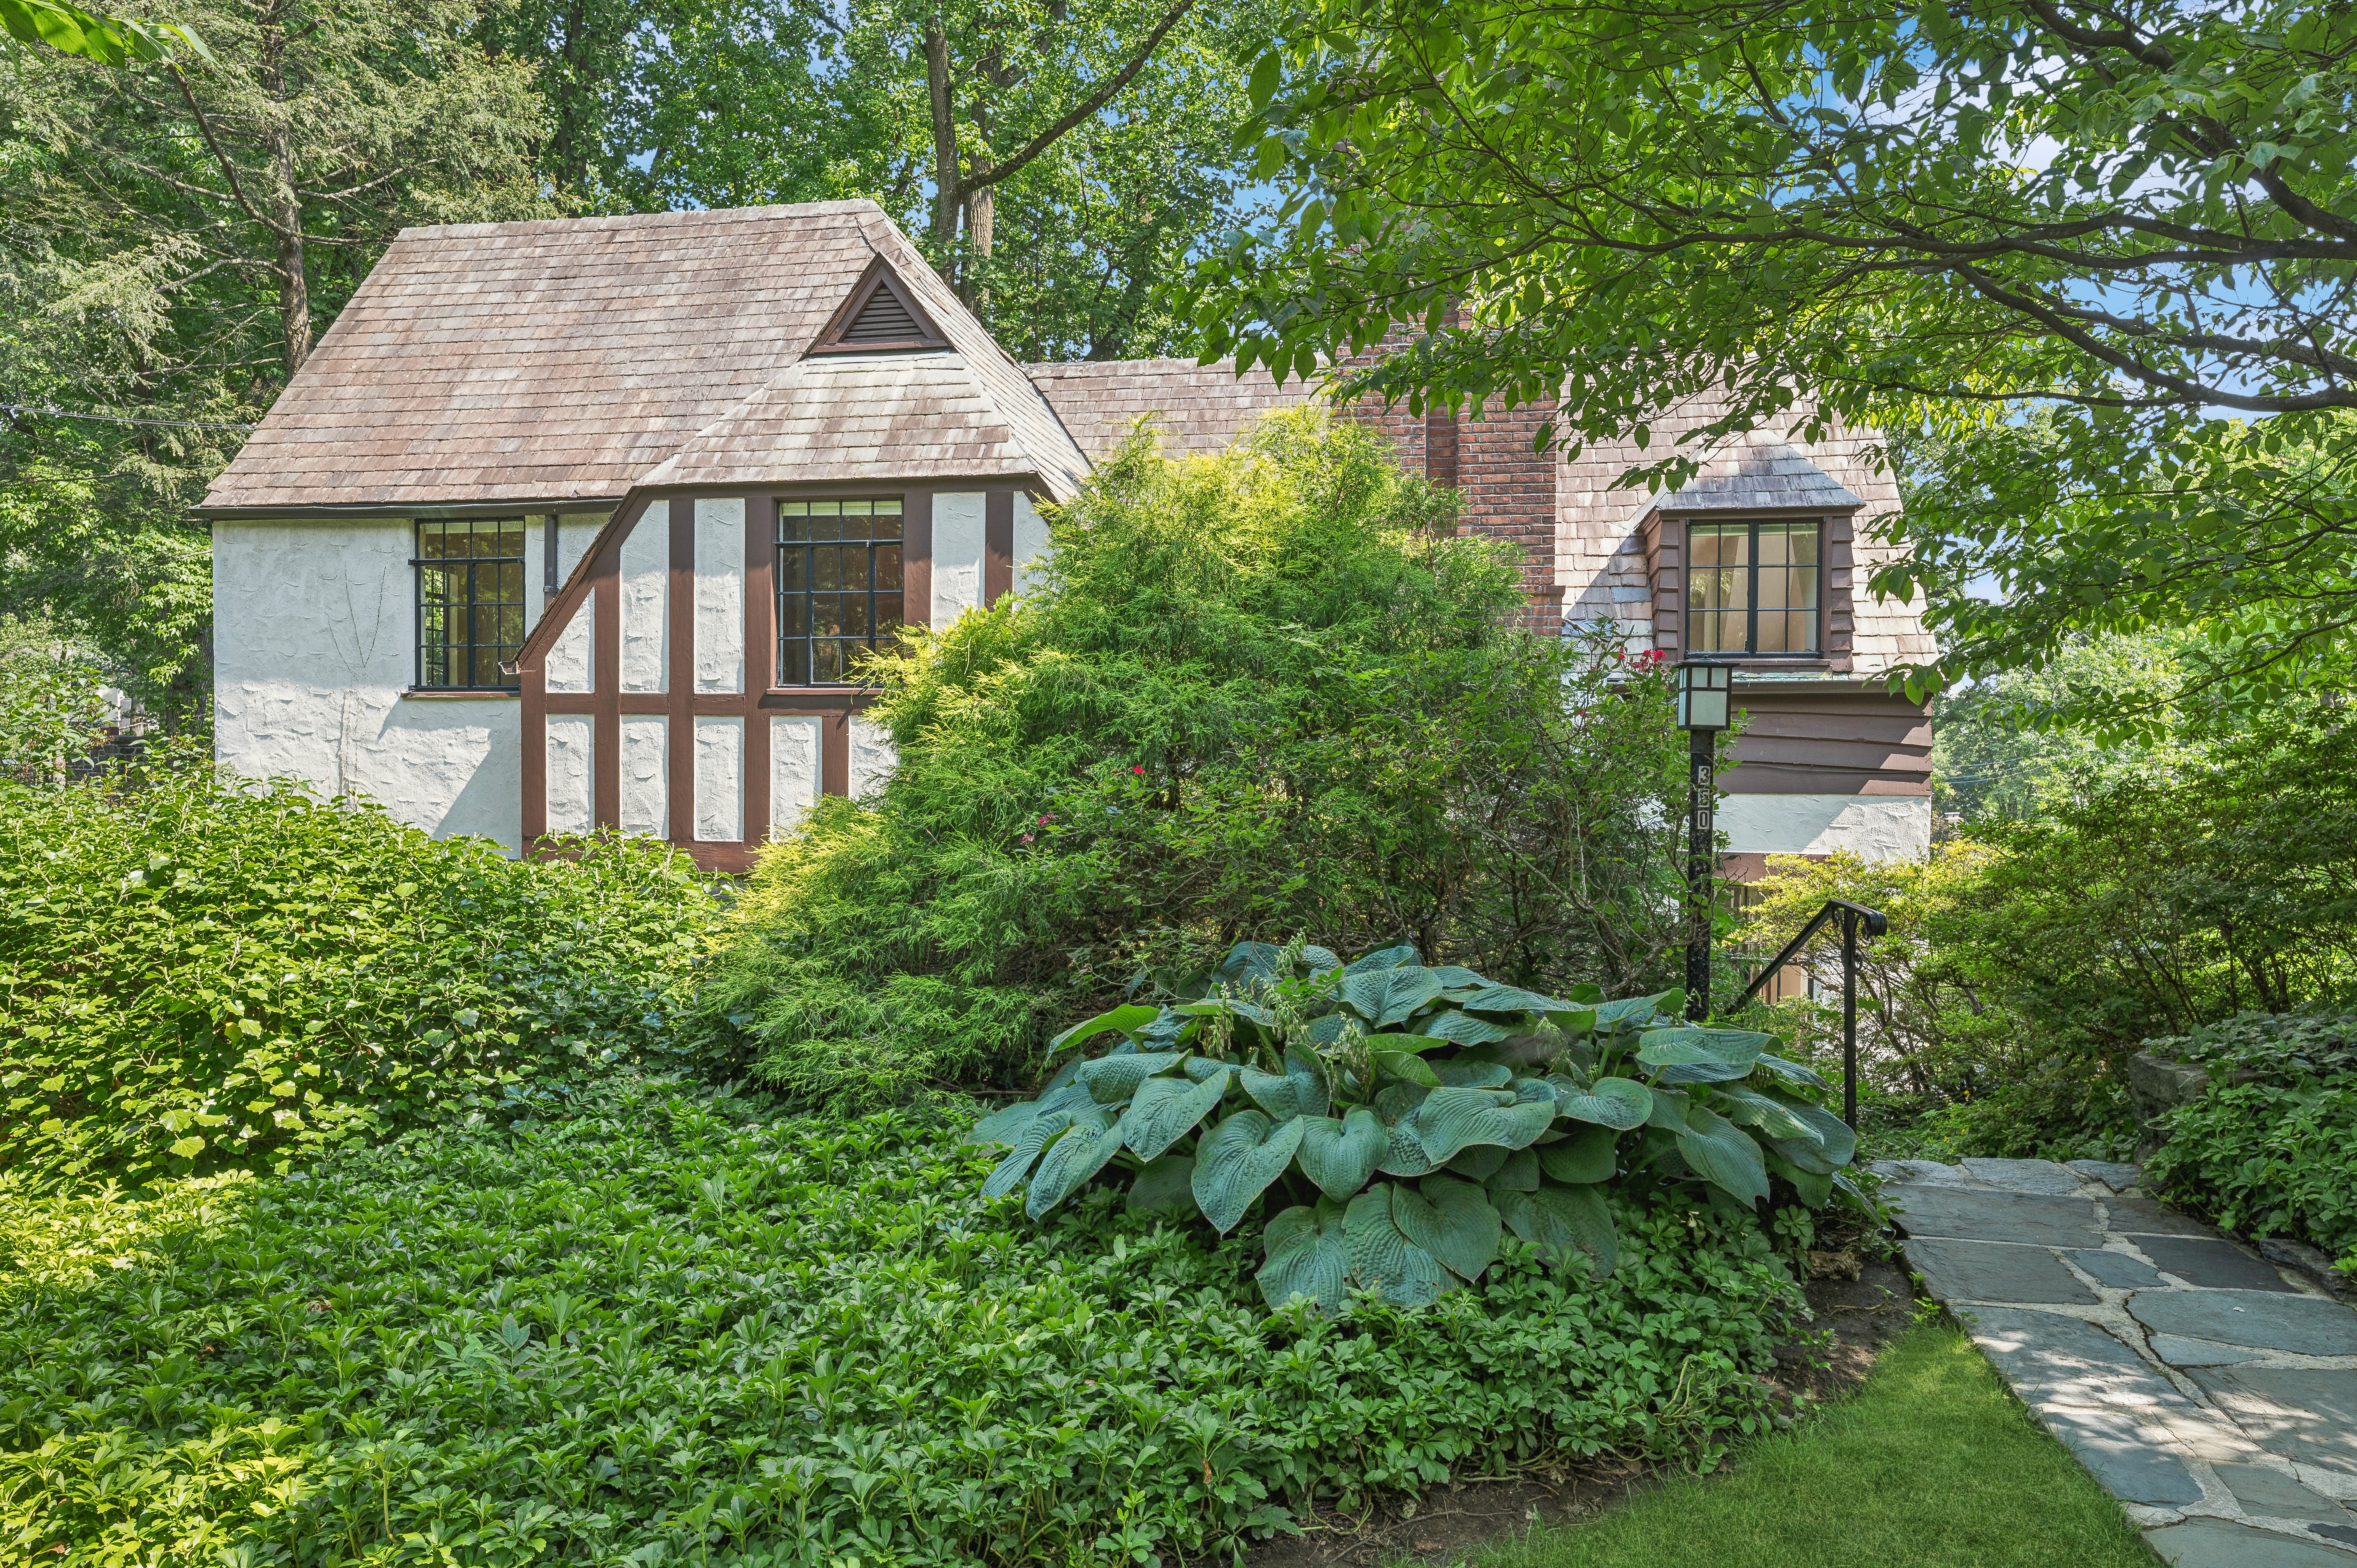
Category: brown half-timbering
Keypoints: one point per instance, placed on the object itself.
(917, 558)
(598, 579)
(761, 658)
(998, 546)
(605, 681)
(1838, 622)
(679, 674)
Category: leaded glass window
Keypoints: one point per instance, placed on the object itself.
(838, 586)
(1753, 588)
(469, 602)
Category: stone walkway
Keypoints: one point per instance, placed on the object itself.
(2214, 1395)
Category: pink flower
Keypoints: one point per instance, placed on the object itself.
(1139, 771)
(1026, 838)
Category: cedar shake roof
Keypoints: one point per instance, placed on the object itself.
(1761, 475)
(863, 417)
(560, 361)
(1202, 407)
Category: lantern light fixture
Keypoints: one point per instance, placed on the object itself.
(1703, 693)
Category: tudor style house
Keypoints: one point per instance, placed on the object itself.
(583, 522)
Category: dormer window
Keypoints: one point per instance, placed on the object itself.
(1754, 588)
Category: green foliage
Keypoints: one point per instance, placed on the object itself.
(1506, 1109)
(2021, 973)
(665, 1328)
(51, 709)
(2269, 1161)
(176, 237)
(198, 975)
(1259, 694)
(1628, 212)
(2272, 1149)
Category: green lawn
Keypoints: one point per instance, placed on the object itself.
(1931, 1465)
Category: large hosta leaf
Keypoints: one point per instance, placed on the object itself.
(1638, 1009)
(1002, 1126)
(1815, 1187)
(1384, 1258)
(1307, 1254)
(1250, 961)
(1406, 1068)
(1452, 1220)
(1008, 1174)
(1071, 1159)
(1457, 977)
(1565, 1222)
(1236, 1163)
(1590, 1155)
(1451, 1119)
(1790, 1073)
(1299, 1090)
(1617, 1102)
(1122, 1020)
(1701, 1055)
(1384, 996)
(1341, 1156)
(1387, 958)
(1165, 1186)
(1723, 1155)
(1833, 1135)
(1463, 1074)
(1404, 1151)
(1464, 1028)
(1774, 1118)
(1507, 999)
(1113, 1080)
(1518, 1171)
(1480, 1162)
(1166, 1110)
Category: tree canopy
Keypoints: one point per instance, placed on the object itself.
(2100, 251)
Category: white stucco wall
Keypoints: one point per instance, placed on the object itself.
(719, 779)
(572, 774)
(646, 774)
(572, 664)
(958, 547)
(795, 774)
(873, 758)
(720, 595)
(1876, 827)
(1031, 545)
(314, 633)
(646, 602)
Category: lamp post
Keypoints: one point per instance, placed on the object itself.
(1703, 693)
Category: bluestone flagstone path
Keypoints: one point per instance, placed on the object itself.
(2214, 1394)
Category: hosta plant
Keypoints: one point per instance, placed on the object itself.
(1400, 1118)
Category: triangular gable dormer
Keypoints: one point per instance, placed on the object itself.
(879, 316)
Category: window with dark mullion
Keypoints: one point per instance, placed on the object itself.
(470, 603)
(1753, 588)
(839, 586)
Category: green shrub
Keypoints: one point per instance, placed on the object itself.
(2268, 1161)
(1259, 695)
(2271, 1149)
(1509, 1106)
(659, 1330)
(198, 975)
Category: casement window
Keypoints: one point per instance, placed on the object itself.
(838, 586)
(1752, 589)
(469, 602)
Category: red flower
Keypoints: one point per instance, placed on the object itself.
(1139, 771)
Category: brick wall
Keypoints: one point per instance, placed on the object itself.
(1507, 489)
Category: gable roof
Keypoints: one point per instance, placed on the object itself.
(560, 361)
(1202, 407)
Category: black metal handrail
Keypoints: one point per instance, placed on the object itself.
(1852, 917)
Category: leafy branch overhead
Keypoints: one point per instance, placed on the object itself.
(1490, 1109)
(2133, 220)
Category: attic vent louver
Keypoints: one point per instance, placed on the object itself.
(878, 315)
(883, 319)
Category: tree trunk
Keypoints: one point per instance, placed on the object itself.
(948, 197)
(286, 210)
